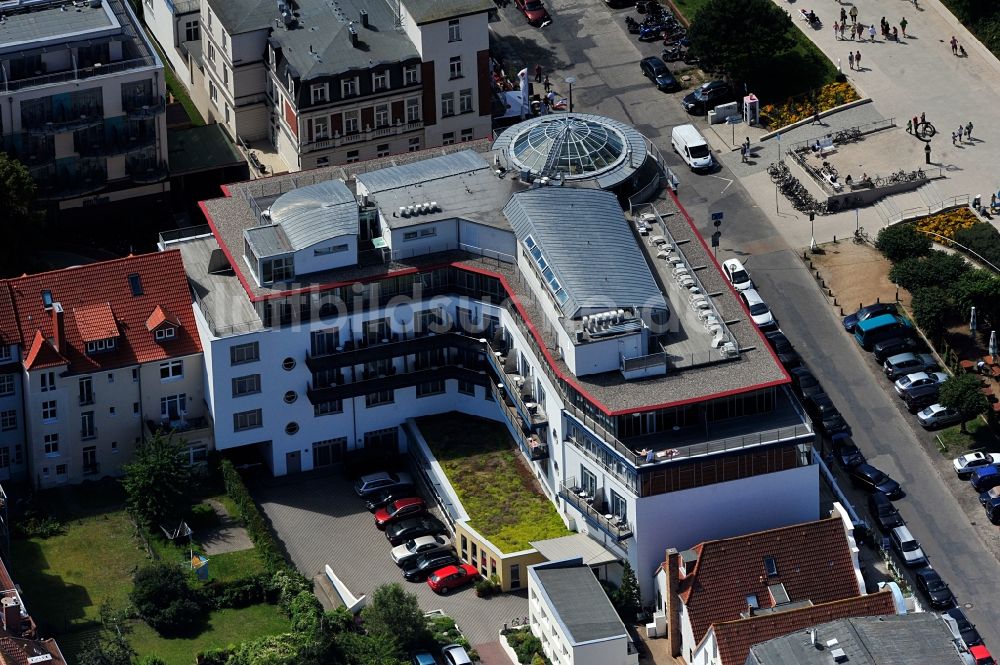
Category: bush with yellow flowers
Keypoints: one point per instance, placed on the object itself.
(794, 109)
(947, 223)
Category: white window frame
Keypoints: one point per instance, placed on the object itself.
(246, 420)
(6, 384)
(172, 370)
(179, 401)
(455, 30)
(192, 30)
(50, 411)
(211, 52)
(413, 109)
(447, 104)
(465, 104)
(5, 352)
(381, 115)
(348, 87)
(380, 80)
(413, 145)
(353, 156)
(382, 150)
(48, 381)
(50, 444)
(240, 354)
(466, 134)
(8, 420)
(411, 75)
(166, 333)
(448, 138)
(213, 93)
(352, 122)
(319, 93)
(321, 128)
(455, 67)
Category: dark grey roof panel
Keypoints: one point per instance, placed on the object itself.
(586, 240)
(52, 21)
(430, 11)
(267, 241)
(239, 16)
(314, 213)
(417, 172)
(581, 602)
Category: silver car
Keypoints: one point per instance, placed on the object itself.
(907, 547)
(422, 545)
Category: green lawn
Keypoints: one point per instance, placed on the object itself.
(496, 488)
(224, 627)
(234, 565)
(979, 437)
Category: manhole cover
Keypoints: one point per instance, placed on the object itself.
(967, 606)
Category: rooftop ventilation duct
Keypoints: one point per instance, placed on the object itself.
(364, 18)
(403, 212)
(352, 33)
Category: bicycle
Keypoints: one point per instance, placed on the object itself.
(778, 171)
(860, 236)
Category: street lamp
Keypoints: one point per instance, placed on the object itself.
(571, 80)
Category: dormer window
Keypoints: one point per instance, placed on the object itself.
(277, 270)
(771, 566)
(100, 345)
(163, 334)
(47, 299)
(135, 284)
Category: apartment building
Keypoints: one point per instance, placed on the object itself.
(175, 25)
(12, 436)
(624, 367)
(108, 353)
(84, 104)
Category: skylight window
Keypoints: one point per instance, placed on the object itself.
(545, 270)
(47, 299)
(135, 283)
(771, 566)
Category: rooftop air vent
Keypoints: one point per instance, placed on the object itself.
(353, 35)
(403, 211)
(839, 656)
(364, 18)
(435, 207)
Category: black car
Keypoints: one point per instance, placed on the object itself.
(419, 568)
(848, 455)
(883, 512)
(868, 477)
(935, 588)
(707, 96)
(921, 397)
(425, 525)
(656, 71)
(968, 631)
(804, 382)
(895, 345)
(852, 320)
(825, 416)
(385, 497)
(787, 355)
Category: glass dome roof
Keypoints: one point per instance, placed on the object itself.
(575, 147)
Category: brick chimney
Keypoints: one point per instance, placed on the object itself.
(673, 602)
(58, 328)
(12, 615)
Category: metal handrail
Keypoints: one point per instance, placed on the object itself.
(79, 73)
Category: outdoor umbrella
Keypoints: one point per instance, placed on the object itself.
(972, 321)
(993, 344)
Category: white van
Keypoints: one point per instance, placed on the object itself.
(692, 147)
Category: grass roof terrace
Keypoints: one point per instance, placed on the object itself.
(492, 480)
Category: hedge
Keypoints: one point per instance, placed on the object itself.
(239, 593)
(983, 239)
(257, 528)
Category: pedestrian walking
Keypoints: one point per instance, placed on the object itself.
(953, 138)
(854, 32)
(747, 144)
(954, 45)
(836, 30)
(538, 73)
(968, 131)
(857, 60)
(545, 107)
(923, 117)
(909, 126)
(927, 152)
(871, 32)
(902, 26)
(850, 59)
(743, 153)
(842, 26)
(854, 14)
(861, 31)
(547, 84)
(993, 201)
(895, 34)
(843, 15)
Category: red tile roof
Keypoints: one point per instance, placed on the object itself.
(734, 638)
(42, 354)
(159, 317)
(88, 293)
(9, 333)
(95, 322)
(813, 562)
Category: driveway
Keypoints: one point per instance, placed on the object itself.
(320, 521)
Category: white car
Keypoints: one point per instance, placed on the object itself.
(418, 546)
(759, 311)
(737, 275)
(937, 415)
(969, 462)
(917, 379)
(455, 654)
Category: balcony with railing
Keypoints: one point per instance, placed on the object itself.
(92, 144)
(86, 176)
(143, 106)
(595, 511)
(183, 427)
(62, 118)
(529, 442)
(78, 73)
(31, 150)
(371, 133)
(517, 388)
(366, 383)
(393, 346)
(146, 171)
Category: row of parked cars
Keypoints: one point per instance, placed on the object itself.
(896, 346)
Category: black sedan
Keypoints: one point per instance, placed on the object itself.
(419, 568)
(707, 96)
(804, 382)
(656, 71)
(935, 588)
(883, 512)
(385, 497)
(787, 355)
(896, 345)
(825, 415)
(425, 525)
(848, 455)
(968, 631)
(852, 320)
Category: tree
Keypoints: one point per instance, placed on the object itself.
(360, 649)
(17, 218)
(163, 599)
(112, 649)
(741, 38)
(392, 612)
(982, 239)
(979, 289)
(961, 392)
(931, 310)
(901, 241)
(935, 269)
(157, 481)
(628, 596)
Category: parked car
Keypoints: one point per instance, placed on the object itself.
(966, 630)
(424, 658)
(387, 496)
(534, 12)
(883, 512)
(851, 320)
(935, 588)
(985, 477)
(451, 577)
(969, 462)
(787, 355)
(916, 380)
(920, 398)
(907, 547)
(981, 655)
(879, 328)
(414, 527)
(990, 496)
(848, 455)
(455, 654)
(657, 71)
(908, 363)
(825, 416)
(398, 510)
(417, 546)
(759, 311)
(737, 274)
(874, 480)
(707, 96)
(938, 415)
(367, 486)
(421, 567)
(896, 345)
(804, 383)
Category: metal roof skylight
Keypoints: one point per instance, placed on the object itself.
(571, 146)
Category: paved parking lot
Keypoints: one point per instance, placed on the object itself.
(321, 521)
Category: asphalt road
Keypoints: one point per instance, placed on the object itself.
(590, 42)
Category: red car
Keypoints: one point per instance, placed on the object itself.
(397, 510)
(979, 652)
(452, 577)
(534, 11)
